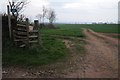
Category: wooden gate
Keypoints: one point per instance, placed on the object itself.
(24, 35)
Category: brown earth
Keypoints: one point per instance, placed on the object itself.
(102, 55)
(99, 61)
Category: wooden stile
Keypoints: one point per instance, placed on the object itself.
(24, 37)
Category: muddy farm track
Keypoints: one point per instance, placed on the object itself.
(102, 55)
(99, 61)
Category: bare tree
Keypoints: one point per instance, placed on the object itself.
(48, 14)
(44, 13)
(22, 17)
(16, 6)
(51, 16)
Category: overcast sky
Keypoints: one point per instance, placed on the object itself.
(73, 10)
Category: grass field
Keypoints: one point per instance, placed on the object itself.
(76, 29)
(107, 28)
(53, 48)
(63, 32)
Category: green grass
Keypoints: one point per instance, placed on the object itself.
(106, 28)
(75, 30)
(52, 51)
(63, 32)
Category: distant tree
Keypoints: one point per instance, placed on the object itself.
(45, 10)
(51, 16)
(48, 14)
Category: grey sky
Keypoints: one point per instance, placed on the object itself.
(74, 10)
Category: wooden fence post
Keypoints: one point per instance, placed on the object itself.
(13, 26)
(27, 27)
(9, 21)
(36, 27)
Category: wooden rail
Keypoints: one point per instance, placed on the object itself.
(24, 37)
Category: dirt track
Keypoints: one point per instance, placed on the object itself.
(102, 55)
(100, 60)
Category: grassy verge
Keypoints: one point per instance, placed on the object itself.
(52, 51)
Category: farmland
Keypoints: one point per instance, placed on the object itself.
(63, 49)
(54, 48)
(60, 39)
(107, 28)
(75, 30)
